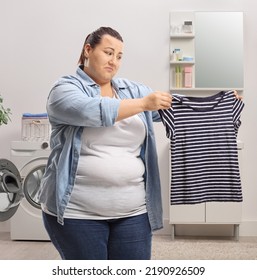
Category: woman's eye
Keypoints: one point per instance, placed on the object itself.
(109, 53)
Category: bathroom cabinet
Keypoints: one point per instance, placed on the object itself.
(216, 213)
(206, 49)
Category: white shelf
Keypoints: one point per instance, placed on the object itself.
(183, 62)
(182, 36)
(202, 92)
(204, 89)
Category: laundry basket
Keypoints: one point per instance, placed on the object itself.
(35, 127)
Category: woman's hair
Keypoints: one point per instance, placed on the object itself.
(95, 37)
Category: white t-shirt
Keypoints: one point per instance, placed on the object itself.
(109, 182)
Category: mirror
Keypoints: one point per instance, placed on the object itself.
(218, 49)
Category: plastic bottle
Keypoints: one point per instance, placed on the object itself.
(178, 77)
(188, 77)
(187, 27)
(179, 55)
(173, 56)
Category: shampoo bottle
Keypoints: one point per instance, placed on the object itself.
(178, 77)
(188, 77)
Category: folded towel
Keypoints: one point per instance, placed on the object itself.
(29, 115)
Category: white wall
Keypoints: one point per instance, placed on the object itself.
(42, 39)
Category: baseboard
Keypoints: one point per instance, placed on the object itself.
(246, 228)
(5, 226)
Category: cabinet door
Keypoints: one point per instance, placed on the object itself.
(223, 212)
(182, 214)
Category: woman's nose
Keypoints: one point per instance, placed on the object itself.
(114, 60)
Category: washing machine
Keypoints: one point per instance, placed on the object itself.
(19, 184)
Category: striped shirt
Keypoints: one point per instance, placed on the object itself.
(204, 156)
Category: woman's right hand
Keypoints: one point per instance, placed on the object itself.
(152, 102)
(157, 100)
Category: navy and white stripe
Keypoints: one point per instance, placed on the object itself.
(204, 156)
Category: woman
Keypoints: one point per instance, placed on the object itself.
(100, 193)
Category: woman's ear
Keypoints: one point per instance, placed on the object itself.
(87, 49)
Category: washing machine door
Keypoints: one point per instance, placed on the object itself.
(32, 180)
(11, 191)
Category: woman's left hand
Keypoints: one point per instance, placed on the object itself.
(237, 95)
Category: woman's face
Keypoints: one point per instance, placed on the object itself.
(104, 60)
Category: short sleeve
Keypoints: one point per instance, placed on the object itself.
(237, 109)
(167, 118)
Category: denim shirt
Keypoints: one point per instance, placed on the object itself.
(73, 103)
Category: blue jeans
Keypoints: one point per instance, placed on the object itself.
(118, 239)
